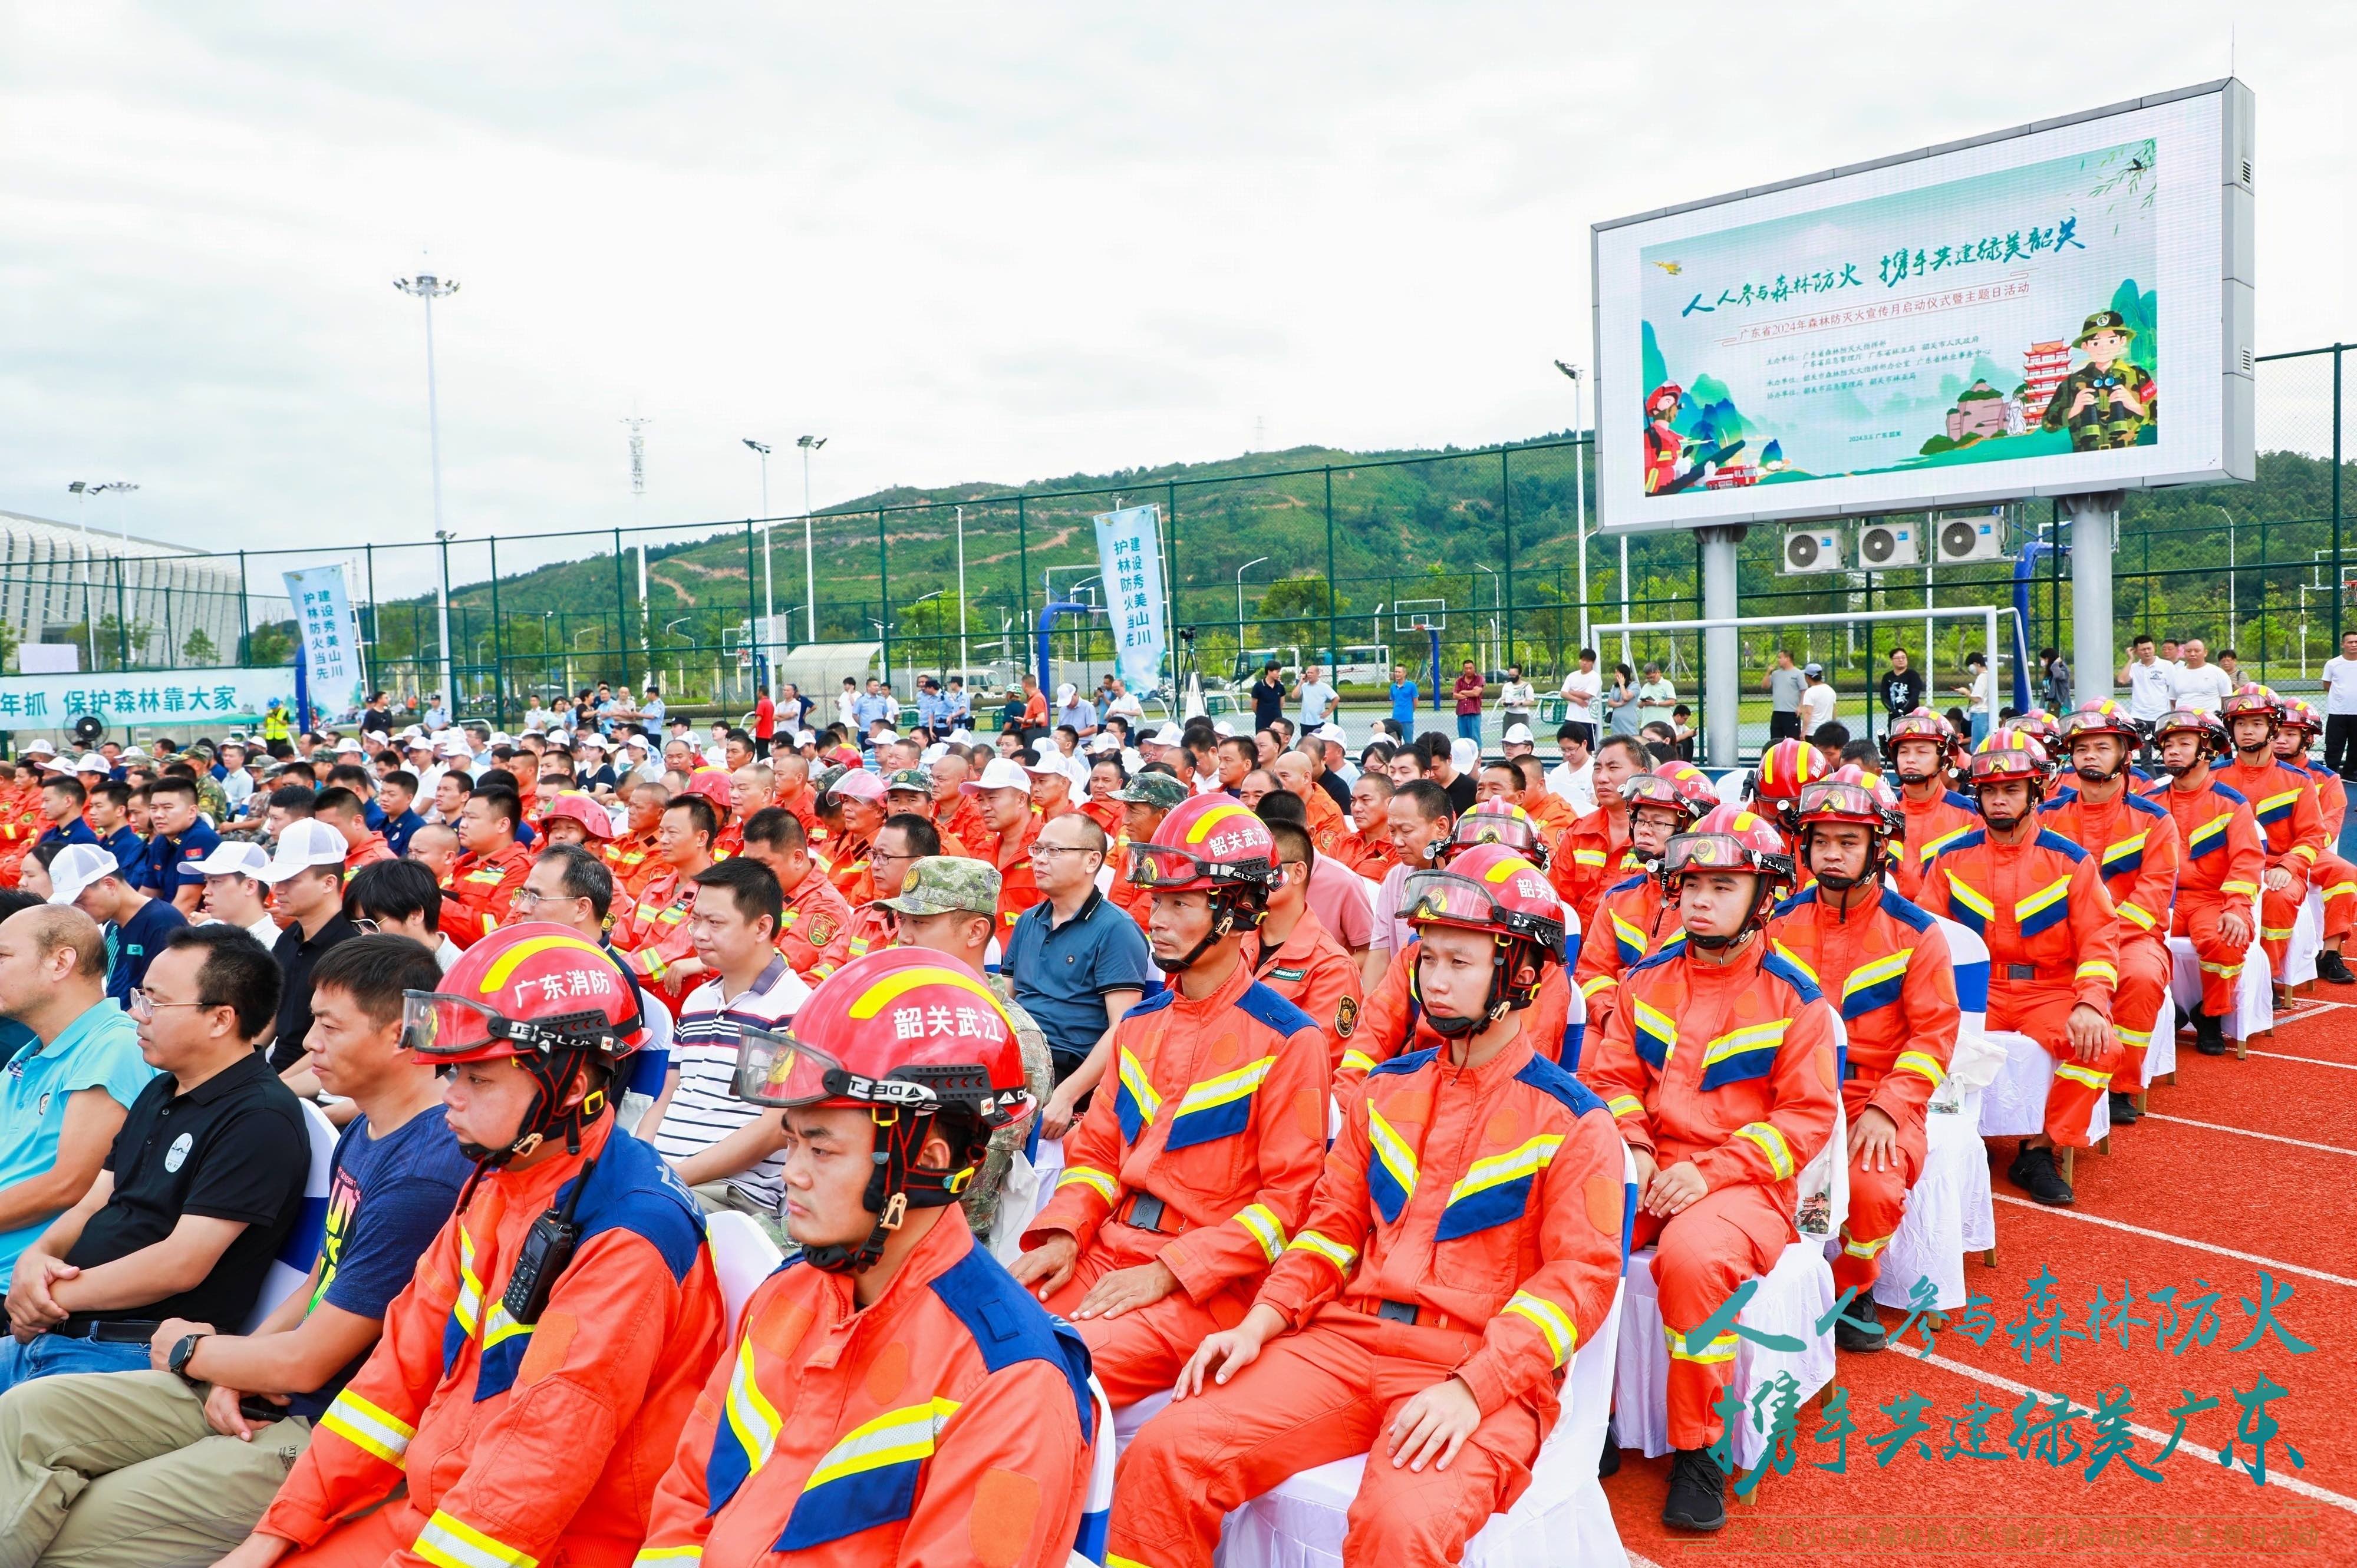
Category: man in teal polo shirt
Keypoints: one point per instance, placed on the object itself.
(63, 1097)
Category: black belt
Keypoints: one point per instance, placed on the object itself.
(1147, 1212)
(2030, 972)
(1406, 1312)
(107, 1330)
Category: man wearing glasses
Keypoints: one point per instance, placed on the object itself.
(1079, 963)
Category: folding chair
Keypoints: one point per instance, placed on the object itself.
(291, 1269)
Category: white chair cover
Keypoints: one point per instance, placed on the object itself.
(2307, 941)
(1096, 1511)
(1949, 1203)
(291, 1269)
(2160, 1054)
(742, 1257)
(2254, 1012)
(2013, 1105)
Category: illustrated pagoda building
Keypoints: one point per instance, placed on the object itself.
(2042, 369)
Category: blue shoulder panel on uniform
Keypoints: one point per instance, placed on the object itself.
(1154, 1003)
(1791, 975)
(1404, 1064)
(1261, 1004)
(1972, 839)
(1009, 1324)
(1625, 884)
(1964, 803)
(2229, 792)
(1655, 961)
(1905, 913)
(1805, 896)
(1549, 1078)
(2144, 803)
(634, 1189)
(2056, 802)
(2062, 845)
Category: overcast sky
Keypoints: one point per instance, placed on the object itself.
(1000, 243)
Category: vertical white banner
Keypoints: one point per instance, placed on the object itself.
(330, 631)
(1129, 554)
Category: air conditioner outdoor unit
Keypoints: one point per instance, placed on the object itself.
(1969, 536)
(1813, 548)
(1881, 545)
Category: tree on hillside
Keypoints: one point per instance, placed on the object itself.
(1293, 610)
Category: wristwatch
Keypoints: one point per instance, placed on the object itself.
(176, 1363)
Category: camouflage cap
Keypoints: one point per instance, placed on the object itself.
(2104, 321)
(937, 884)
(918, 779)
(1163, 791)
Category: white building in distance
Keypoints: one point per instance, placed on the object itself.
(56, 579)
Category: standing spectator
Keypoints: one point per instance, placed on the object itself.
(2199, 686)
(1468, 692)
(202, 1182)
(1901, 688)
(376, 718)
(1573, 781)
(1078, 962)
(1681, 731)
(1816, 700)
(2054, 681)
(1316, 697)
(1655, 697)
(1516, 698)
(137, 926)
(164, 1466)
(1621, 701)
(1403, 695)
(307, 873)
(1583, 688)
(1979, 690)
(64, 1094)
(1075, 710)
(846, 707)
(2340, 685)
(2231, 665)
(1784, 684)
(1267, 696)
(765, 723)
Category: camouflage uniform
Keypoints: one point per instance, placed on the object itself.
(2102, 425)
(935, 886)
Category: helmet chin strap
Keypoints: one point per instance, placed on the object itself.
(1911, 781)
(1227, 915)
(1500, 1000)
(895, 1186)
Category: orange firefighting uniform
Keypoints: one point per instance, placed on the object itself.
(873, 926)
(1106, 815)
(2223, 857)
(20, 829)
(1931, 826)
(1589, 858)
(814, 932)
(2055, 944)
(1016, 890)
(1633, 922)
(1326, 823)
(729, 840)
(1469, 1223)
(848, 868)
(519, 1444)
(1392, 1021)
(631, 859)
(946, 1422)
(483, 887)
(656, 938)
(1312, 970)
(1884, 965)
(1367, 856)
(1732, 1067)
(2136, 849)
(1201, 1157)
(2283, 802)
(368, 851)
(2334, 875)
(966, 824)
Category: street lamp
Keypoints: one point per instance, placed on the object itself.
(1239, 597)
(809, 443)
(428, 288)
(769, 595)
(2229, 516)
(1580, 486)
(1496, 600)
(442, 614)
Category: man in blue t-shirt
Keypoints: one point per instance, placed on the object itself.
(1403, 699)
(62, 800)
(64, 1094)
(121, 1458)
(137, 927)
(182, 839)
(1077, 961)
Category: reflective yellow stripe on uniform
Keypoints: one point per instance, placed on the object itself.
(1334, 1251)
(452, 1543)
(1718, 1350)
(1772, 1144)
(1262, 1221)
(1625, 1105)
(2096, 969)
(1562, 1335)
(1922, 1064)
(2099, 1081)
(368, 1428)
(1355, 1061)
(650, 1555)
(1096, 1180)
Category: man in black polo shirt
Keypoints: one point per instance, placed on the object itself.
(307, 874)
(202, 1184)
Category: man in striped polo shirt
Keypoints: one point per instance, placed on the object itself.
(700, 1127)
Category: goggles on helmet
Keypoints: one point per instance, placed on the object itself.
(1840, 801)
(428, 1030)
(1156, 865)
(1446, 897)
(1720, 852)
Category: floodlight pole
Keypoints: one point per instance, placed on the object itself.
(1722, 673)
(809, 443)
(2095, 532)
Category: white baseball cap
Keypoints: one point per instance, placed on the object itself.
(885, 736)
(998, 773)
(1333, 732)
(306, 842)
(233, 857)
(1169, 734)
(78, 868)
(1223, 729)
(91, 762)
(40, 749)
(958, 736)
(1045, 758)
(1517, 735)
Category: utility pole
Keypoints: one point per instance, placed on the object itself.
(809, 444)
(428, 288)
(638, 498)
(768, 584)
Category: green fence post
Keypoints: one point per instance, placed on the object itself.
(884, 598)
(1170, 582)
(1333, 644)
(753, 622)
(1506, 513)
(621, 606)
(1023, 569)
(499, 646)
(2337, 349)
(370, 633)
(244, 615)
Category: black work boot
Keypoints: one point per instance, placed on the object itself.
(2035, 1173)
(1697, 1492)
(2124, 1108)
(2331, 966)
(1859, 1328)
(1608, 1462)
(2209, 1034)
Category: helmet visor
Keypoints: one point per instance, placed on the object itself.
(1151, 865)
(1842, 801)
(1708, 852)
(1509, 832)
(1445, 897)
(436, 1024)
(774, 1068)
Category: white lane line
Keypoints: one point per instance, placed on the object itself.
(2177, 1240)
(2285, 1477)
(2246, 1132)
(2312, 1062)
